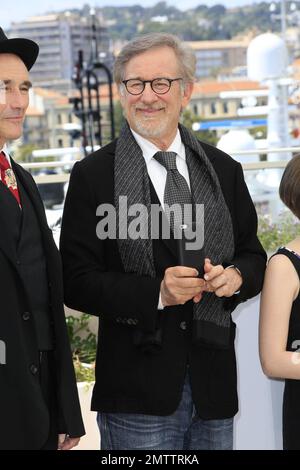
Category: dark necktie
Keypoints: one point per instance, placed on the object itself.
(177, 190)
(8, 177)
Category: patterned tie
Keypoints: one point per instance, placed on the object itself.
(8, 177)
(177, 190)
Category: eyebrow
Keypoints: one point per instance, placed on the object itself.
(143, 80)
(9, 82)
(135, 78)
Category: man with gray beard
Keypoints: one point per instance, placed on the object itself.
(166, 369)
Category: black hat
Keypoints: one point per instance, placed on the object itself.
(26, 49)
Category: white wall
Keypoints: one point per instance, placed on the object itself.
(258, 423)
(91, 441)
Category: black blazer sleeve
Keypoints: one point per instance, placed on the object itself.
(94, 278)
(250, 257)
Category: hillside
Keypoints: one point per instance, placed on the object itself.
(200, 23)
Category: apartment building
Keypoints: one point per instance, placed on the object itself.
(207, 103)
(216, 56)
(60, 37)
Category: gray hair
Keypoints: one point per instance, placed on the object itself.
(185, 56)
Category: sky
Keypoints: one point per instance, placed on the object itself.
(21, 9)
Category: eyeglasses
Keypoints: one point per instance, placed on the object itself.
(134, 86)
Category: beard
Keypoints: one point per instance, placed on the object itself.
(148, 126)
(151, 129)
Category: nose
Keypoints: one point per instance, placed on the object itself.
(148, 95)
(17, 100)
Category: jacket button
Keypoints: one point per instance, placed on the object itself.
(33, 369)
(183, 325)
(18, 262)
(26, 316)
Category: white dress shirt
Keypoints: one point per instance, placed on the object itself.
(158, 173)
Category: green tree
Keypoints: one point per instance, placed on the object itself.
(119, 117)
(23, 153)
(188, 118)
(223, 23)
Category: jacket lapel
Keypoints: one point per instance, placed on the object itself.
(7, 245)
(33, 194)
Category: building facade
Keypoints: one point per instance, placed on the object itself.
(216, 56)
(60, 37)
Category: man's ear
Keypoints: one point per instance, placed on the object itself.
(121, 93)
(187, 93)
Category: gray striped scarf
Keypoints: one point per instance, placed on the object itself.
(211, 322)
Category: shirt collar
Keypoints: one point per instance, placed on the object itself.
(149, 149)
(4, 150)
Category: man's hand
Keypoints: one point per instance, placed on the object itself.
(223, 282)
(179, 285)
(66, 442)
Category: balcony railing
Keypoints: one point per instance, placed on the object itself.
(64, 177)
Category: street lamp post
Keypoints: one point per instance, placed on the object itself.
(284, 16)
(283, 19)
(87, 107)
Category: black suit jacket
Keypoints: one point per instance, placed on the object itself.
(95, 282)
(24, 418)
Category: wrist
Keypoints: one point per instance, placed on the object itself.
(239, 279)
(162, 300)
